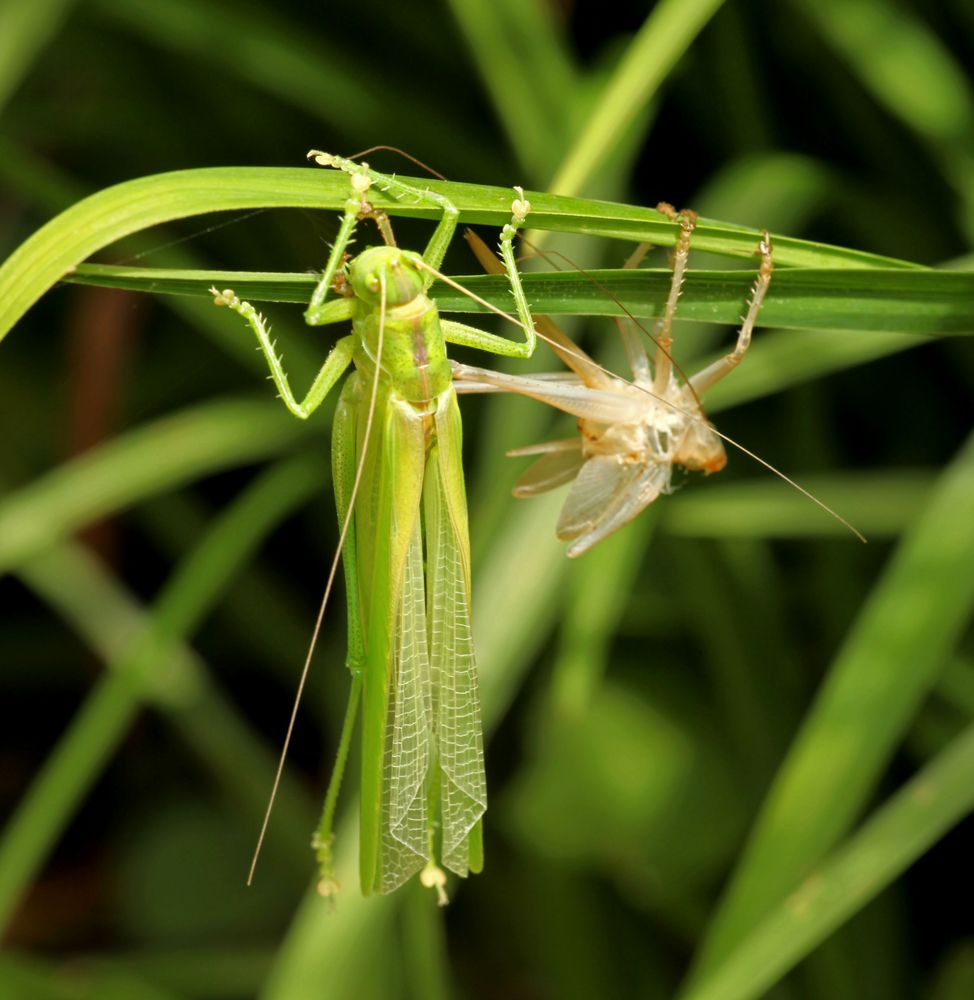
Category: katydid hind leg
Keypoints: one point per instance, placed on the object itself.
(663, 335)
(344, 450)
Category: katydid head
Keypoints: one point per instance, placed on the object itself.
(701, 450)
(398, 269)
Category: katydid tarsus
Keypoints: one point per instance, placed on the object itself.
(631, 433)
(400, 495)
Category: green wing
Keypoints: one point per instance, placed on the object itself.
(406, 835)
(423, 757)
(459, 751)
(396, 677)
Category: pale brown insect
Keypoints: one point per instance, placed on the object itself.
(631, 433)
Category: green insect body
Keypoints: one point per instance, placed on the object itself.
(420, 700)
(396, 458)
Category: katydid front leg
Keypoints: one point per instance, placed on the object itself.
(331, 371)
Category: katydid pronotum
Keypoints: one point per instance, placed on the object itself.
(401, 504)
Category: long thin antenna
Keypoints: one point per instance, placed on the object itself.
(406, 156)
(679, 409)
(791, 482)
(332, 572)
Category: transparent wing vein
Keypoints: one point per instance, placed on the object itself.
(407, 830)
(463, 786)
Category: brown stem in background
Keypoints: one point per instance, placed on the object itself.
(104, 326)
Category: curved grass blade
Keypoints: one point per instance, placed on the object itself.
(532, 98)
(25, 28)
(891, 659)
(661, 41)
(101, 219)
(313, 72)
(159, 456)
(879, 504)
(145, 662)
(912, 73)
(895, 836)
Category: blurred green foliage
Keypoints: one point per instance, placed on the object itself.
(719, 742)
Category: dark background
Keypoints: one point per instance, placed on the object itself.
(622, 779)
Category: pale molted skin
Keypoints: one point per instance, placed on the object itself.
(631, 434)
(626, 465)
(630, 439)
(670, 426)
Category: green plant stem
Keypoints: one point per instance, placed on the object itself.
(662, 40)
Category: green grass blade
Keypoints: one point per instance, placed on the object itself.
(101, 219)
(912, 73)
(893, 838)
(68, 773)
(889, 662)
(662, 40)
(901, 62)
(145, 662)
(310, 72)
(51, 190)
(783, 358)
(878, 503)
(888, 301)
(26, 976)
(337, 948)
(779, 190)
(526, 72)
(69, 579)
(35, 181)
(595, 600)
(170, 520)
(159, 456)
(427, 958)
(203, 972)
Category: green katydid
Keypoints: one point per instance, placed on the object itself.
(400, 496)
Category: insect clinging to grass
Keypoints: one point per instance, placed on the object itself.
(401, 505)
(632, 434)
